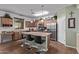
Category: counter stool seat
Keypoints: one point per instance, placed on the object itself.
(39, 40)
(29, 38)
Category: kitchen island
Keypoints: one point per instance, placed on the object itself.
(45, 36)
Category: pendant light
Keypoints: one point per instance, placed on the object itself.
(31, 13)
(42, 6)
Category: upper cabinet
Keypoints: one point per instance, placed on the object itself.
(31, 23)
(6, 21)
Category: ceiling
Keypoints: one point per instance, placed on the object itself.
(25, 9)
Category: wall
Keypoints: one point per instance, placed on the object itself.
(71, 32)
(67, 35)
(77, 32)
(61, 26)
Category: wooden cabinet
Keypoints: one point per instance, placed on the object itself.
(5, 36)
(29, 24)
(6, 22)
(16, 36)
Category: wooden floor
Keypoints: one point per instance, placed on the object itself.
(14, 47)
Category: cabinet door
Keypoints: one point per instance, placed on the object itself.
(17, 36)
(7, 21)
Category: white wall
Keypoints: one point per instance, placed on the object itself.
(61, 26)
(67, 35)
(61, 30)
(71, 32)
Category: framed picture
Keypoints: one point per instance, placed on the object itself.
(71, 23)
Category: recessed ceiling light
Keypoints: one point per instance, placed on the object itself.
(40, 13)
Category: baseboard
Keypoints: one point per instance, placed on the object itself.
(70, 46)
(73, 47)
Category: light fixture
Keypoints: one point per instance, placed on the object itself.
(42, 20)
(31, 21)
(40, 13)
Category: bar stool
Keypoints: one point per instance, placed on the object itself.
(27, 42)
(29, 38)
(39, 42)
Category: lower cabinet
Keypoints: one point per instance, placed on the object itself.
(6, 38)
(17, 36)
(10, 36)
